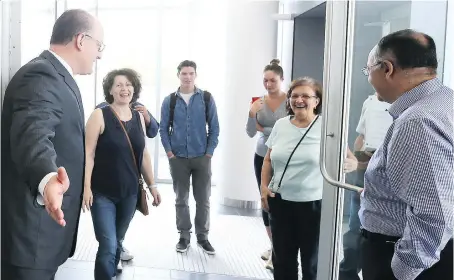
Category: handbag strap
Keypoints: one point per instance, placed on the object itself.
(290, 157)
(127, 138)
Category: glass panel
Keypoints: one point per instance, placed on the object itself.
(174, 49)
(87, 83)
(36, 16)
(368, 119)
(127, 46)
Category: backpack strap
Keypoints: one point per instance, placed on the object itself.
(173, 103)
(206, 99)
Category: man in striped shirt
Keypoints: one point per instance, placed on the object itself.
(407, 206)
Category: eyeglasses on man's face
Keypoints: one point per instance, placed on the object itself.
(366, 70)
(101, 45)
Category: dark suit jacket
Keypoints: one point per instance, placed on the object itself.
(42, 129)
(152, 128)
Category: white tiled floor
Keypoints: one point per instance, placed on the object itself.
(238, 236)
(238, 240)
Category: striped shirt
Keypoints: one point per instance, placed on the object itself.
(409, 183)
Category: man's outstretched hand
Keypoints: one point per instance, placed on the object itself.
(53, 195)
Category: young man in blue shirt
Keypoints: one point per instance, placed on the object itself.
(185, 115)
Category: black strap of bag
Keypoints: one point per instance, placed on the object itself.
(296, 147)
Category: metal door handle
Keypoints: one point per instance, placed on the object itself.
(325, 174)
(323, 170)
(345, 84)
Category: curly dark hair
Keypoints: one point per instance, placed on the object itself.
(130, 74)
(310, 82)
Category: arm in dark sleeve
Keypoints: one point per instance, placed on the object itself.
(164, 126)
(151, 128)
(37, 111)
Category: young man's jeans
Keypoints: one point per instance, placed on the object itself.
(181, 170)
(351, 264)
(111, 218)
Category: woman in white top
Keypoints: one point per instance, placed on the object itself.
(263, 115)
(293, 194)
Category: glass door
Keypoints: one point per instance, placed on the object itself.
(353, 28)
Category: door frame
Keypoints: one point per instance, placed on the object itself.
(339, 32)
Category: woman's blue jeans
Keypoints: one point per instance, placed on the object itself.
(111, 218)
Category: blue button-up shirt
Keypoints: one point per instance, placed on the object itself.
(151, 129)
(190, 138)
(409, 182)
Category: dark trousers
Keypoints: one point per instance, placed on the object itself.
(11, 272)
(351, 264)
(377, 254)
(111, 218)
(295, 227)
(258, 162)
(181, 170)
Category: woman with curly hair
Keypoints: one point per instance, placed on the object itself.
(116, 157)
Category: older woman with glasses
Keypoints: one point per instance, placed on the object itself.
(292, 183)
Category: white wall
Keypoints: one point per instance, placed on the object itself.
(285, 45)
(251, 38)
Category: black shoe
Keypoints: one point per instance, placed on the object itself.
(183, 245)
(206, 246)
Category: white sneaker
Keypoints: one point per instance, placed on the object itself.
(119, 267)
(126, 255)
(266, 255)
(269, 265)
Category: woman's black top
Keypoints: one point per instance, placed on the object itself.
(114, 174)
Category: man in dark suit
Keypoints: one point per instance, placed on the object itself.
(43, 151)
